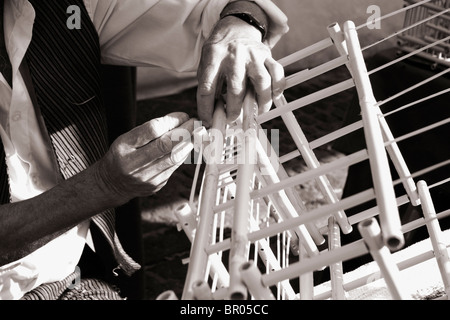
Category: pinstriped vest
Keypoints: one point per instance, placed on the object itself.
(64, 65)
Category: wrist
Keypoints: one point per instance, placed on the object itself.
(107, 191)
(248, 12)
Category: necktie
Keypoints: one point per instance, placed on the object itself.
(64, 66)
(5, 65)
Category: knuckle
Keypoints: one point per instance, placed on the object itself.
(164, 144)
(233, 113)
(262, 82)
(155, 127)
(280, 84)
(236, 87)
(205, 88)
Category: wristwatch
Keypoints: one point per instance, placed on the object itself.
(249, 12)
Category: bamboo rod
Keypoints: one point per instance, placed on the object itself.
(357, 125)
(313, 163)
(323, 211)
(404, 9)
(424, 42)
(252, 279)
(198, 134)
(202, 291)
(258, 193)
(421, 130)
(394, 152)
(291, 204)
(303, 177)
(374, 211)
(336, 35)
(308, 51)
(346, 252)
(413, 87)
(304, 101)
(309, 74)
(389, 216)
(413, 52)
(426, 4)
(398, 161)
(444, 46)
(435, 233)
(244, 185)
(270, 261)
(371, 233)
(315, 214)
(335, 134)
(409, 27)
(339, 163)
(438, 28)
(199, 258)
(313, 173)
(405, 263)
(336, 271)
(306, 280)
(286, 211)
(409, 105)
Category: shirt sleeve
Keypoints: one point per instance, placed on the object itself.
(163, 33)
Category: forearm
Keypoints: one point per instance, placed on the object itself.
(184, 26)
(27, 225)
(138, 163)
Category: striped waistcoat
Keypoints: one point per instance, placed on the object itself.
(64, 65)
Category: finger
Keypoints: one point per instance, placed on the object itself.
(154, 129)
(208, 81)
(262, 83)
(165, 144)
(236, 87)
(162, 169)
(276, 72)
(155, 181)
(160, 179)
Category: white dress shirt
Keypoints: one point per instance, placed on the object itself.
(161, 33)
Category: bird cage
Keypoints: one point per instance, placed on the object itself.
(427, 24)
(253, 236)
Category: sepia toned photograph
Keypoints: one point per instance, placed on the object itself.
(245, 152)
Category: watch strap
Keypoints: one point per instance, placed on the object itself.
(249, 12)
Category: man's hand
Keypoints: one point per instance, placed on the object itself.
(234, 56)
(140, 162)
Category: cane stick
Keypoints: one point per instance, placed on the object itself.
(188, 223)
(381, 175)
(336, 271)
(435, 232)
(199, 258)
(288, 207)
(346, 252)
(252, 278)
(242, 207)
(313, 163)
(306, 280)
(371, 233)
(393, 149)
